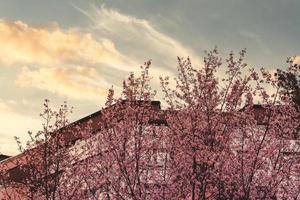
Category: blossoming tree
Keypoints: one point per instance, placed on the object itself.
(43, 169)
(222, 147)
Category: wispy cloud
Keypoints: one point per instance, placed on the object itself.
(139, 39)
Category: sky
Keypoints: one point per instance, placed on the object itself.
(75, 50)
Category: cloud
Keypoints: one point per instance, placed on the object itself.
(22, 43)
(116, 43)
(76, 82)
(139, 38)
(56, 55)
(297, 60)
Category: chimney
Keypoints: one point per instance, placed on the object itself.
(156, 104)
(3, 157)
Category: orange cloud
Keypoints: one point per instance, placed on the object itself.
(23, 44)
(77, 83)
(56, 55)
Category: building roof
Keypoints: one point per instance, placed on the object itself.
(70, 132)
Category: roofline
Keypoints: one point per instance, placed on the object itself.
(95, 114)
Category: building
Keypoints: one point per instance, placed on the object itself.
(87, 133)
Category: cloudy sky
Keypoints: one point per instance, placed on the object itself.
(75, 50)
